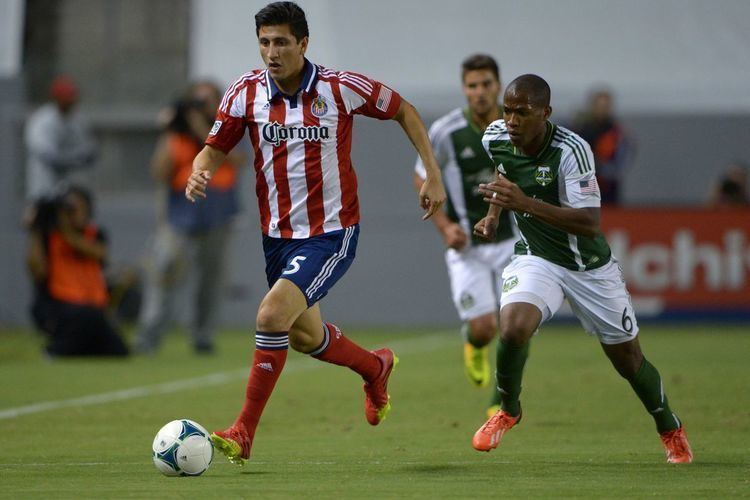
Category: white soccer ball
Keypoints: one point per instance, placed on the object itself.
(182, 448)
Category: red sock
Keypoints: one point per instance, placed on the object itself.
(268, 361)
(341, 351)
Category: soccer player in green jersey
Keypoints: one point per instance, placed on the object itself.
(546, 178)
(474, 264)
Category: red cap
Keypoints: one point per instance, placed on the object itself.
(63, 90)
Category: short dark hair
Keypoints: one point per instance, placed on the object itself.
(278, 13)
(534, 86)
(478, 62)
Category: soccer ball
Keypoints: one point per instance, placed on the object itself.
(182, 448)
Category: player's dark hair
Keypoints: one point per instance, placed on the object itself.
(278, 13)
(534, 86)
(478, 62)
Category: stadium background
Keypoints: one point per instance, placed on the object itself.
(679, 70)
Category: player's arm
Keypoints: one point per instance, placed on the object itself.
(204, 166)
(452, 233)
(431, 193)
(486, 228)
(505, 194)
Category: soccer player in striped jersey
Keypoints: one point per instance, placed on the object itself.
(546, 178)
(474, 264)
(299, 117)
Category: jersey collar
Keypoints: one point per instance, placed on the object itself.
(549, 133)
(309, 79)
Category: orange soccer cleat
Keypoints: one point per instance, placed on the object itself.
(234, 443)
(377, 400)
(489, 435)
(677, 446)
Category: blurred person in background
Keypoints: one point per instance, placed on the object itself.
(474, 264)
(58, 143)
(609, 141)
(731, 191)
(65, 258)
(188, 236)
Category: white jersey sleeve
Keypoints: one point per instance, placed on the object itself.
(440, 140)
(577, 176)
(496, 131)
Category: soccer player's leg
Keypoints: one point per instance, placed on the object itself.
(518, 322)
(316, 268)
(478, 333)
(531, 294)
(375, 367)
(277, 312)
(601, 301)
(473, 293)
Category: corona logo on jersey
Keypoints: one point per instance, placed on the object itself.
(319, 107)
(276, 133)
(543, 175)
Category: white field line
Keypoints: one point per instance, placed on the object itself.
(423, 343)
(261, 462)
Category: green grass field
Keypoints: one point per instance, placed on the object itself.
(584, 432)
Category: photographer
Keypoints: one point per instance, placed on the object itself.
(65, 256)
(188, 234)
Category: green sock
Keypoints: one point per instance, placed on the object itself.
(648, 386)
(510, 362)
(466, 334)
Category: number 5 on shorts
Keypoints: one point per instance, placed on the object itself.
(293, 266)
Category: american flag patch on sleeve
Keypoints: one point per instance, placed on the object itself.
(589, 186)
(384, 98)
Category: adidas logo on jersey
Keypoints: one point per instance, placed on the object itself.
(467, 153)
(275, 133)
(265, 366)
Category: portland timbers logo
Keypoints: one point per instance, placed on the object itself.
(510, 283)
(543, 175)
(319, 106)
(467, 301)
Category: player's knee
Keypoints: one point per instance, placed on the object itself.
(271, 319)
(515, 330)
(483, 329)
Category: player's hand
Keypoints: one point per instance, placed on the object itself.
(505, 194)
(454, 236)
(196, 185)
(431, 196)
(486, 228)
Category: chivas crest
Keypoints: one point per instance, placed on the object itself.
(319, 107)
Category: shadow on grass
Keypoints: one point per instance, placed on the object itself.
(428, 469)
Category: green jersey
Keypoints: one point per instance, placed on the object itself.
(457, 143)
(562, 174)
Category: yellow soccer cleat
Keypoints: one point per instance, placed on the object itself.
(233, 443)
(477, 364)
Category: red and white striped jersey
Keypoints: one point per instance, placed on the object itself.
(305, 182)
